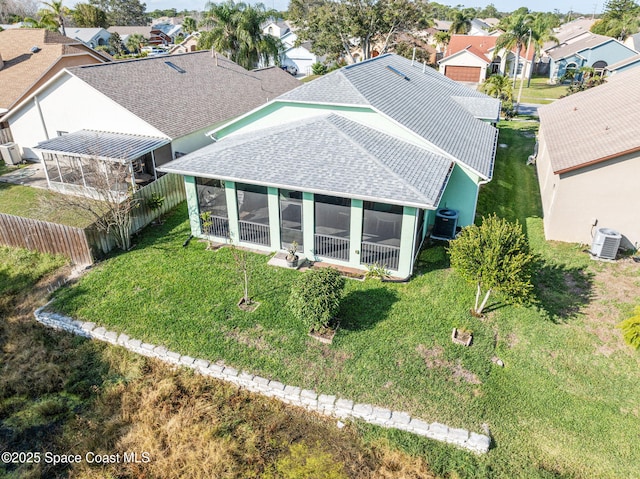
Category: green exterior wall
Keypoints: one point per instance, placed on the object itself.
(274, 218)
(308, 225)
(192, 205)
(460, 194)
(232, 210)
(407, 238)
(355, 243)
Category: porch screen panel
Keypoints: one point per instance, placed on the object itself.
(291, 218)
(253, 213)
(212, 200)
(333, 226)
(381, 230)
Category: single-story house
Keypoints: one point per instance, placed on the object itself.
(29, 57)
(589, 160)
(586, 50)
(189, 44)
(169, 102)
(92, 37)
(474, 58)
(354, 166)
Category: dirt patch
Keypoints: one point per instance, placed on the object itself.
(251, 337)
(434, 359)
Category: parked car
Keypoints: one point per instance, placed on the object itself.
(291, 69)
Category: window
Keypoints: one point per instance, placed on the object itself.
(381, 231)
(212, 204)
(253, 213)
(333, 226)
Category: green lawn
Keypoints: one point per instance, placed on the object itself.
(35, 203)
(539, 91)
(557, 409)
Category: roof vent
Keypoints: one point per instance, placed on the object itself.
(606, 243)
(175, 67)
(397, 72)
(35, 49)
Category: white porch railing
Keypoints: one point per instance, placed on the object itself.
(332, 247)
(216, 226)
(256, 233)
(384, 255)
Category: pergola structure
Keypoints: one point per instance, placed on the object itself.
(86, 161)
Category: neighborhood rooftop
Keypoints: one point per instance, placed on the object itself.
(361, 162)
(584, 42)
(420, 99)
(594, 125)
(180, 94)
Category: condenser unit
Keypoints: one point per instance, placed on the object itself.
(606, 243)
(10, 153)
(445, 224)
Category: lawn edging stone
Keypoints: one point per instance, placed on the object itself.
(309, 399)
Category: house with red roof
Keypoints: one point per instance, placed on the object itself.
(473, 58)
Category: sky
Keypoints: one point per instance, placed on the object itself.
(586, 7)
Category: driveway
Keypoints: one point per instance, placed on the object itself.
(528, 109)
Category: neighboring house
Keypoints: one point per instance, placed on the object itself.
(297, 58)
(276, 28)
(352, 166)
(472, 59)
(586, 50)
(589, 161)
(92, 37)
(125, 31)
(633, 41)
(189, 44)
(29, 57)
(624, 65)
(480, 28)
(169, 102)
(164, 34)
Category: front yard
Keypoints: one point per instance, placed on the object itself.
(564, 405)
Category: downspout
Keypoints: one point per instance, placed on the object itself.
(44, 126)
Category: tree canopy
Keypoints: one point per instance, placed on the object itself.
(496, 257)
(123, 12)
(621, 18)
(337, 27)
(86, 15)
(236, 31)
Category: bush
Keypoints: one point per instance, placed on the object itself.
(318, 68)
(315, 299)
(631, 330)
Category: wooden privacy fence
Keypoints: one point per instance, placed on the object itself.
(86, 245)
(45, 237)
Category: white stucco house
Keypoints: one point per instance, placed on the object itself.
(588, 162)
(167, 102)
(92, 37)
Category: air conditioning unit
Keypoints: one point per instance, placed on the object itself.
(606, 243)
(10, 153)
(445, 224)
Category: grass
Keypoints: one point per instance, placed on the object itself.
(557, 401)
(32, 203)
(66, 395)
(540, 91)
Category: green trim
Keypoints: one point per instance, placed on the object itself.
(308, 224)
(407, 236)
(274, 218)
(192, 205)
(357, 216)
(232, 210)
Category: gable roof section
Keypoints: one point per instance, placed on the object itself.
(84, 34)
(421, 102)
(624, 63)
(594, 125)
(361, 163)
(22, 67)
(479, 45)
(143, 30)
(471, 50)
(194, 95)
(587, 42)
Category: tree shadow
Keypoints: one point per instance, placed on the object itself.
(362, 309)
(433, 256)
(562, 291)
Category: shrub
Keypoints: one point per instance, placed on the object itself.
(315, 299)
(377, 271)
(631, 330)
(318, 68)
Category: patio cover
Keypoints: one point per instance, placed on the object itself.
(102, 145)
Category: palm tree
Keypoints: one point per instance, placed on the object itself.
(461, 22)
(498, 86)
(189, 25)
(134, 42)
(237, 33)
(46, 21)
(57, 11)
(517, 33)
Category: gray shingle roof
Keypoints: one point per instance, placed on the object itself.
(102, 144)
(440, 110)
(180, 103)
(595, 124)
(360, 163)
(567, 49)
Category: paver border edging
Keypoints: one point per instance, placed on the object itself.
(307, 398)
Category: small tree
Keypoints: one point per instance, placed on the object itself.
(631, 329)
(315, 299)
(241, 258)
(495, 256)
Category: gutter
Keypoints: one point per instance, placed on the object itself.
(598, 160)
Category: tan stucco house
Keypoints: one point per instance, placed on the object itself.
(589, 162)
